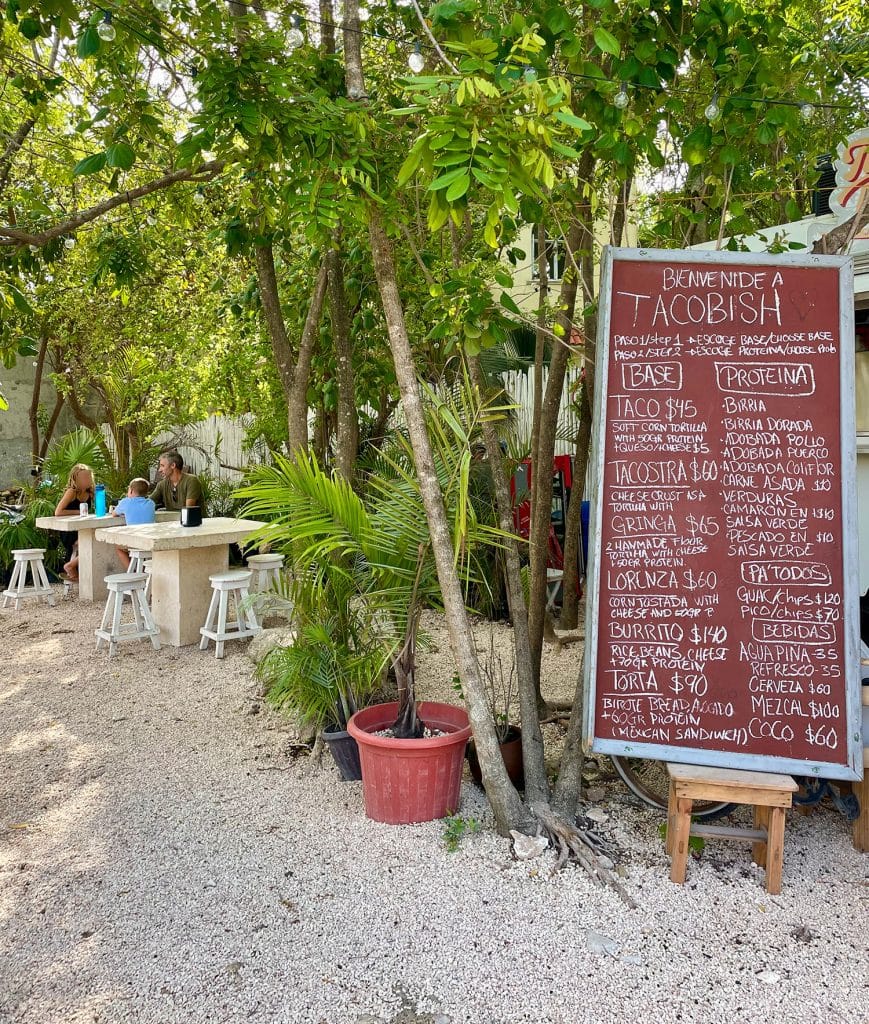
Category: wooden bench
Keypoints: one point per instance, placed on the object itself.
(769, 794)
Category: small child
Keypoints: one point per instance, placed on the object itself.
(138, 510)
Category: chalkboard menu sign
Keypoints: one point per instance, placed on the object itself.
(723, 613)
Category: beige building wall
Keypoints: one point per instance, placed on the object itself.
(525, 289)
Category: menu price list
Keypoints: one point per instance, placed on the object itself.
(720, 582)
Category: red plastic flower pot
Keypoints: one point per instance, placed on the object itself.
(406, 781)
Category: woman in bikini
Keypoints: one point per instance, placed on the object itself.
(79, 488)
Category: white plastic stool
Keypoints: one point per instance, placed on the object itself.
(266, 571)
(32, 559)
(142, 626)
(237, 583)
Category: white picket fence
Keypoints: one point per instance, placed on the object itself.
(520, 388)
(216, 445)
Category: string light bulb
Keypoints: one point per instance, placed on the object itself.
(163, 6)
(807, 111)
(621, 98)
(198, 197)
(294, 37)
(416, 61)
(69, 242)
(105, 29)
(713, 110)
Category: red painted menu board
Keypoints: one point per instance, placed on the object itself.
(723, 622)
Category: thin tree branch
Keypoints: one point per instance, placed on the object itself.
(426, 273)
(14, 237)
(434, 41)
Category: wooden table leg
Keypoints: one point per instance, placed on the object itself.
(860, 829)
(681, 835)
(759, 849)
(775, 848)
(671, 818)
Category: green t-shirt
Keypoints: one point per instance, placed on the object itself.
(188, 491)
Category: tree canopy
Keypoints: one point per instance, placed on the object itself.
(379, 164)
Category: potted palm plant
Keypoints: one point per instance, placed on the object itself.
(330, 670)
(370, 561)
(339, 652)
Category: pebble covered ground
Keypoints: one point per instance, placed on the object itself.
(167, 855)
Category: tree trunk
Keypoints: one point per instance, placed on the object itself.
(506, 804)
(347, 420)
(541, 504)
(327, 27)
(354, 80)
(274, 317)
(573, 523)
(52, 423)
(33, 412)
(79, 413)
(294, 376)
(385, 409)
(568, 787)
(297, 402)
(573, 527)
(539, 345)
(536, 782)
(620, 215)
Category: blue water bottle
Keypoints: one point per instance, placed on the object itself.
(100, 500)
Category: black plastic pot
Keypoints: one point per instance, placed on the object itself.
(344, 751)
(511, 751)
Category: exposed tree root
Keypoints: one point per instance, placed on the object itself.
(584, 848)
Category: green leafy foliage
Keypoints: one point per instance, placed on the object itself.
(456, 158)
(92, 164)
(17, 533)
(457, 828)
(120, 155)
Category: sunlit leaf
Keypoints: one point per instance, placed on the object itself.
(607, 42)
(90, 165)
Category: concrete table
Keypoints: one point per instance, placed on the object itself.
(183, 557)
(95, 561)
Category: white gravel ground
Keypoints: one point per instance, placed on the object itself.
(164, 857)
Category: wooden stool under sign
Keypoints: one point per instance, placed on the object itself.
(769, 794)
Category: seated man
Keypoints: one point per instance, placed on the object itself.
(177, 489)
(137, 508)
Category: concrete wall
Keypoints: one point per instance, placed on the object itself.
(15, 459)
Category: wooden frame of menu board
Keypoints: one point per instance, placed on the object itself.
(722, 618)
